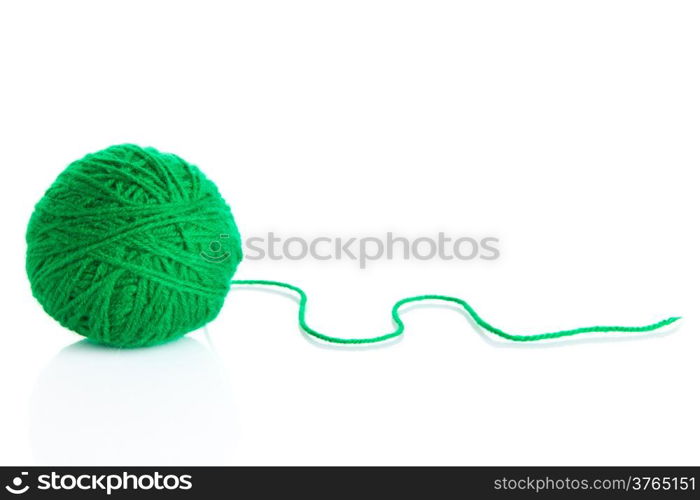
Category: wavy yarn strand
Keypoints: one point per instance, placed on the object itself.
(400, 326)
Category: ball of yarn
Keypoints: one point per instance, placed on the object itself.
(132, 247)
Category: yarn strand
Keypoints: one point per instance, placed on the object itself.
(400, 326)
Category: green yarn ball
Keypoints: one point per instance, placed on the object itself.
(132, 247)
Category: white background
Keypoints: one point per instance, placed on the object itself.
(567, 129)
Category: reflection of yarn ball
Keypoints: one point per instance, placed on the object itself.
(137, 407)
(119, 249)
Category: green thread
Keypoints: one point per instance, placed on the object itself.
(120, 248)
(400, 327)
(115, 247)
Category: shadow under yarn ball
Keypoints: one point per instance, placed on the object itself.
(119, 248)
